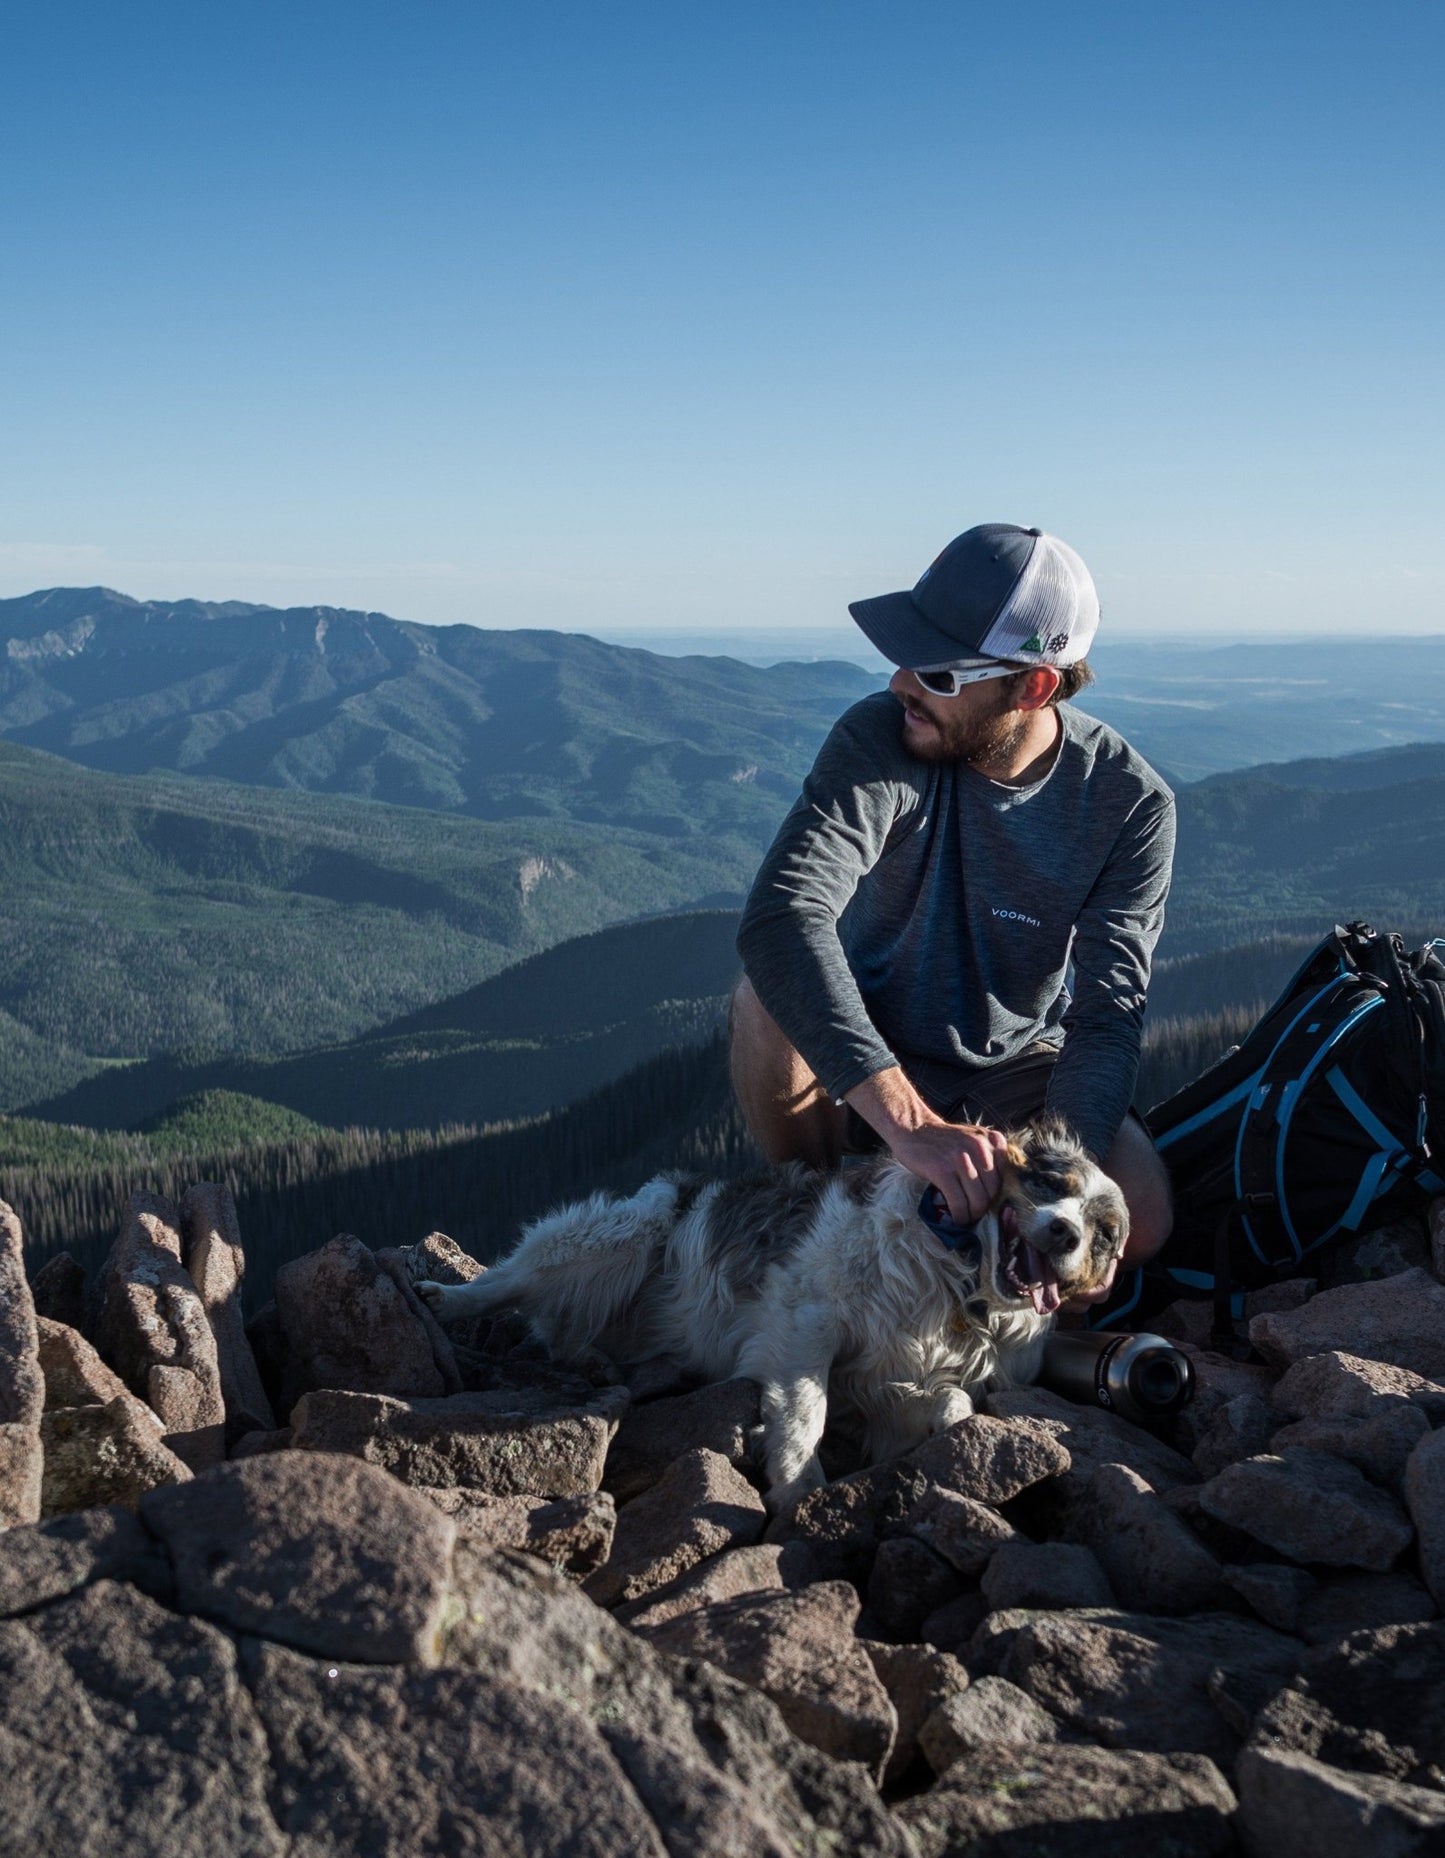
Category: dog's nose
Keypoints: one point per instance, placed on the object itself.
(1061, 1232)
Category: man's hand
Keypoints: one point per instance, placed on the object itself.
(1085, 1297)
(959, 1159)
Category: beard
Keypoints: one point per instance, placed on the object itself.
(983, 742)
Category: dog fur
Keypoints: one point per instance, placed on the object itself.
(826, 1288)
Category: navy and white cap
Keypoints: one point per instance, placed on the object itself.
(996, 592)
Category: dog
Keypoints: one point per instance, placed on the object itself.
(844, 1289)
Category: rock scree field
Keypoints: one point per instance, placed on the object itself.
(342, 1581)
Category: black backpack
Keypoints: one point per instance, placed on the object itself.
(1328, 1117)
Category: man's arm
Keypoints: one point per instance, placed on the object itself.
(788, 938)
(790, 948)
(1114, 939)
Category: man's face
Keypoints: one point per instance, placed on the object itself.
(978, 726)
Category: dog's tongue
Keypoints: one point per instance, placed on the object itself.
(1043, 1282)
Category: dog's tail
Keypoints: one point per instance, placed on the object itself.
(576, 1272)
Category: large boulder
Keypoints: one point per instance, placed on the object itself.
(395, 1262)
(700, 1507)
(1339, 1603)
(216, 1263)
(717, 1419)
(551, 1732)
(1291, 1806)
(505, 1769)
(49, 1560)
(908, 1583)
(58, 1288)
(22, 1480)
(1379, 1443)
(506, 1443)
(765, 1567)
(798, 1649)
(150, 1739)
(347, 1324)
(572, 1533)
(1337, 1385)
(22, 1385)
(1238, 1428)
(1045, 1574)
(324, 1553)
(1399, 1320)
(1373, 1701)
(75, 1374)
(990, 1459)
(1093, 1437)
(966, 1533)
(1061, 1802)
(1134, 1680)
(711, 1757)
(152, 1328)
(1310, 1506)
(990, 1710)
(843, 1522)
(920, 1682)
(1148, 1553)
(105, 1454)
(1425, 1497)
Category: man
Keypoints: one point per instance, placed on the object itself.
(960, 840)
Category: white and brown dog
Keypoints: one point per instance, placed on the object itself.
(822, 1287)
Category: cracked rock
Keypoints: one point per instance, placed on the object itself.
(1312, 1507)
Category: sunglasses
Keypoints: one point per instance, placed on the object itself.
(945, 681)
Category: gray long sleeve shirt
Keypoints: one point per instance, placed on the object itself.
(919, 913)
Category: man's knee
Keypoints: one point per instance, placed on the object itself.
(1137, 1166)
(744, 1008)
(789, 1113)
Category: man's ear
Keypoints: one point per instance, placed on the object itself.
(1039, 684)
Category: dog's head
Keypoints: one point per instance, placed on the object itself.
(1060, 1223)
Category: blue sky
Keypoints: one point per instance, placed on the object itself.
(690, 316)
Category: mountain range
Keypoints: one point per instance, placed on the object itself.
(304, 841)
(485, 723)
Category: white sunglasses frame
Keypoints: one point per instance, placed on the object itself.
(961, 678)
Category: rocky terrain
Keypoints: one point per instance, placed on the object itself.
(342, 1582)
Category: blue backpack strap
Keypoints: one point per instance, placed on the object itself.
(1329, 1015)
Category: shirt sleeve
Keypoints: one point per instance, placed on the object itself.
(788, 937)
(1114, 939)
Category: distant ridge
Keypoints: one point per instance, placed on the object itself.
(457, 719)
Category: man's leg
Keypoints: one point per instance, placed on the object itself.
(1134, 1163)
(790, 1115)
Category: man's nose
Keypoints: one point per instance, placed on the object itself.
(903, 684)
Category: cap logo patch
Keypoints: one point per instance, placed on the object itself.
(1035, 644)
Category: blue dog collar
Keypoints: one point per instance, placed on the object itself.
(933, 1211)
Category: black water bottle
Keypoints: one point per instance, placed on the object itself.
(1143, 1378)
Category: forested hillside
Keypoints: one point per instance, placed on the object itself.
(538, 1035)
(294, 1193)
(144, 914)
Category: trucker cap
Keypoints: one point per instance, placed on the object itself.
(997, 591)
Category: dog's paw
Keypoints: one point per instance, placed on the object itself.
(782, 1497)
(951, 1407)
(437, 1296)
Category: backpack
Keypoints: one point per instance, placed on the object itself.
(1331, 1114)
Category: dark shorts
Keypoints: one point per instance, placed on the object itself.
(1004, 1096)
